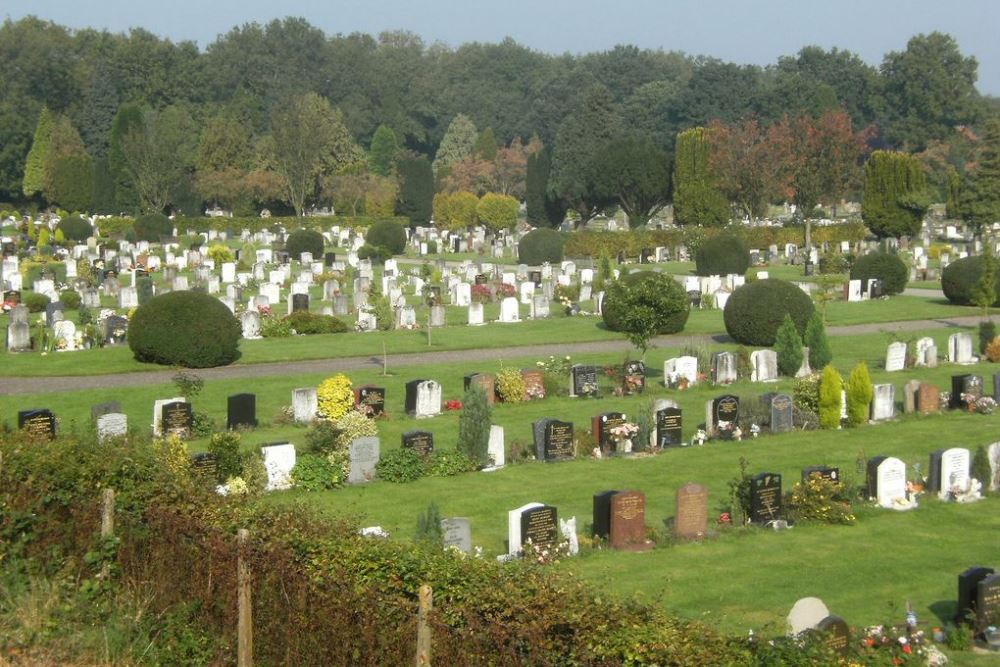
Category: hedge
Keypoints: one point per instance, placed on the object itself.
(960, 277)
(541, 245)
(722, 255)
(304, 240)
(118, 226)
(185, 328)
(755, 311)
(387, 234)
(888, 268)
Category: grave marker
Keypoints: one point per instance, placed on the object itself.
(691, 515)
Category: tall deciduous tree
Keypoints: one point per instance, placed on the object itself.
(697, 197)
(34, 166)
(895, 194)
(635, 172)
(825, 157)
(458, 143)
(382, 151)
(980, 196)
(416, 190)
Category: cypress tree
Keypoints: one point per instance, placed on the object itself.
(896, 195)
(126, 197)
(458, 142)
(788, 347)
(474, 425)
(859, 394)
(34, 166)
(815, 339)
(697, 198)
(416, 190)
(980, 199)
(382, 151)
(486, 145)
(830, 386)
(535, 187)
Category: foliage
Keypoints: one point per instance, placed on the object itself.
(353, 425)
(416, 190)
(185, 328)
(697, 197)
(34, 167)
(377, 254)
(429, 531)
(541, 245)
(387, 234)
(306, 323)
(962, 276)
(980, 467)
(721, 255)
(383, 149)
(455, 211)
(510, 385)
(815, 339)
(536, 199)
(755, 310)
(984, 291)
(226, 449)
(992, 350)
(304, 240)
(35, 302)
(896, 196)
(830, 387)
(71, 182)
(457, 143)
(886, 267)
(486, 147)
(272, 326)
(980, 194)
(635, 172)
(645, 304)
(805, 392)
(820, 500)
(314, 473)
(335, 397)
(474, 425)
(151, 227)
(987, 332)
(70, 298)
(75, 228)
(188, 384)
(788, 347)
(400, 466)
(449, 462)
(496, 211)
(859, 394)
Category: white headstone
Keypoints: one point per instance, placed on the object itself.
(304, 404)
(895, 357)
(509, 310)
(954, 471)
(764, 366)
(428, 399)
(475, 314)
(279, 461)
(922, 346)
(112, 425)
(495, 448)
(891, 484)
(960, 349)
(681, 367)
(883, 402)
(806, 615)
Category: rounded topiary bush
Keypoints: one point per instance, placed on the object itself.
(960, 277)
(888, 268)
(70, 298)
(75, 228)
(387, 234)
(722, 255)
(186, 328)
(377, 254)
(304, 240)
(755, 311)
(152, 227)
(656, 293)
(541, 245)
(35, 302)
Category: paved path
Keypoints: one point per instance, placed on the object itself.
(29, 385)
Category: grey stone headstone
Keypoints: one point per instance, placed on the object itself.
(364, 455)
(112, 425)
(806, 615)
(457, 533)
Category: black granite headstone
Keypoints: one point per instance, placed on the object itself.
(422, 442)
(837, 634)
(372, 399)
(584, 380)
(871, 478)
(300, 302)
(177, 418)
(964, 384)
(602, 514)
(825, 472)
(38, 422)
(557, 441)
(765, 497)
(241, 411)
(781, 412)
(968, 588)
(540, 526)
(668, 427)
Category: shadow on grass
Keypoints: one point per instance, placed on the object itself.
(944, 610)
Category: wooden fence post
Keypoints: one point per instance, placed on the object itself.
(423, 626)
(244, 632)
(108, 513)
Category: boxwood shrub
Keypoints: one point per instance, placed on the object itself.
(312, 323)
(660, 293)
(75, 228)
(755, 311)
(304, 240)
(185, 328)
(152, 226)
(541, 245)
(960, 277)
(888, 268)
(722, 255)
(35, 302)
(387, 234)
(70, 298)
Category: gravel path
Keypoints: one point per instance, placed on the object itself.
(29, 385)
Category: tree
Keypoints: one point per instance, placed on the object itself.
(636, 173)
(859, 394)
(643, 305)
(382, 151)
(980, 196)
(71, 182)
(697, 197)
(474, 424)
(416, 190)
(470, 173)
(826, 151)
(896, 195)
(496, 212)
(455, 211)
(98, 113)
(458, 143)
(34, 166)
(380, 199)
(788, 347)
(486, 147)
(543, 211)
(815, 339)
(984, 292)
(347, 190)
(128, 119)
(159, 155)
(830, 387)
(510, 168)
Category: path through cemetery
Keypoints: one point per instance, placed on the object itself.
(26, 385)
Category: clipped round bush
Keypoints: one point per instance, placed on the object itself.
(722, 255)
(387, 234)
(377, 254)
(755, 311)
(307, 323)
(304, 240)
(70, 298)
(152, 227)
(35, 302)
(541, 245)
(185, 328)
(888, 268)
(960, 277)
(75, 228)
(657, 293)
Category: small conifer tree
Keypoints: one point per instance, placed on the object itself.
(429, 527)
(474, 425)
(815, 339)
(830, 386)
(859, 394)
(788, 347)
(981, 469)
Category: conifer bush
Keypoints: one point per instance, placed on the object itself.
(474, 425)
(859, 394)
(754, 311)
(788, 347)
(75, 228)
(152, 226)
(815, 339)
(830, 386)
(541, 245)
(959, 279)
(387, 234)
(185, 328)
(721, 255)
(304, 240)
(886, 267)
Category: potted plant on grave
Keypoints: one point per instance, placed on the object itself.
(622, 436)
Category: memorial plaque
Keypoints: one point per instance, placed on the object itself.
(371, 400)
(540, 525)
(583, 380)
(988, 602)
(600, 427)
(668, 427)
(241, 411)
(765, 497)
(457, 534)
(422, 442)
(602, 514)
(104, 409)
(40, 423)
(628, 521)
(558, 440)
(534, 384)
(484, 380)
(837, 636)
(205, 465)
(691, 514)
(177, 418)
(827, 473)
(781, 412)
(968, 589)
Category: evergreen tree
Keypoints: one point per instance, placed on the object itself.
(104, 188)
(429, 531)
(128, 118)
(474, 425)
(71, 182)
(697, 197)
(830, 386)
(486, 145)
(416, 190)
(815, 339)
(980, 468)
(34, 166)
(896, 194)
(383, 149)
(980, 198)
(788, 347)
(535, 190)
(98, 113)
(859, 394)
(458, 142)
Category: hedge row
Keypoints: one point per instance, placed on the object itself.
(117, 226)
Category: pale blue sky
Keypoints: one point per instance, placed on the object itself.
(747, 31)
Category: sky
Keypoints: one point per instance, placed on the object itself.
(746, 32)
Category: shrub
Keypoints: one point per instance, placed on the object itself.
(859, 394)
(497, 211)
(820, 500)
(987, 332)
(275, 327)
(75, 228)
(387, 234)
(980, 468)
(220, 253)
(400, 466)
(541, 245)
(226, 448)
(35, 302)
(354, 424)
(815, 339)
(144, 289)
(888, 268)
(805, 392)
(645, 304)
(788, 347)
(722, 255)
(185, 328)
(754, 311)
(377, 254)
(152, 227)
(70, 298)
(474, 425)
(335, 397)
(429, 531)
(993, 350)
(448, 462)
(304, 240)
(830, 387)
(959, 279)
(314, 473)
(510, 385)
(307, 323)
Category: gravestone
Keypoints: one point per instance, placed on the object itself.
(924, 348)
(158, 405)
(177, 419)
(495, 449)
(509, 310)
(781, 408)
(600, 427)
(556, 442)
(475, 315)
(823, 472)
(534, 383)
(37, 422)
(485, 381)
(668, 427)
(104, 409)
(304, 404)
(112, 425)
(428, 399)
(949, 469)
(928, 398)
(241, 411)
(300, 302)
(960, 348)
(968, 588)
(837, 635)
(680, 368)
(457, 534)
(363, 454)
(724, 368)
(988, 602)
(764, 366)
(533, 522)
(250, 324)
(421, 442)
(628, 521)
(970, 385)
(883, 404)
(910, 390)
(371, 400)
(765, 497)
(601, 526)
(691, 514)
(890, 483)
(725, 409)
(205, 464)
(583, 380)
(634, 377)
(895, 357)
(115, 330)
(806, 615)
(279, 459)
